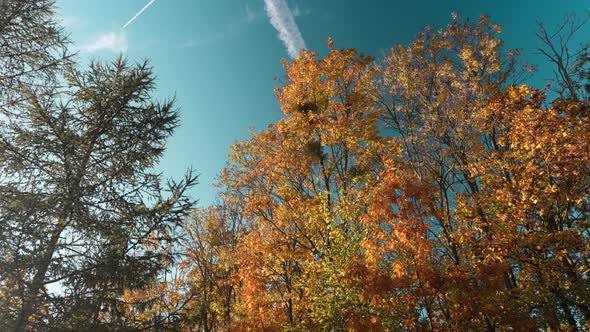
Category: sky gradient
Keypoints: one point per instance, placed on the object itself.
(220, 58)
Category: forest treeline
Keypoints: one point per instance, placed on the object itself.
(428, 190)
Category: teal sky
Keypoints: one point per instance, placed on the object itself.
(220, 57)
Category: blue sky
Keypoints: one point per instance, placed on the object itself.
(220, 58)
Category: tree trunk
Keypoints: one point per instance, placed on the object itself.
(37, 284)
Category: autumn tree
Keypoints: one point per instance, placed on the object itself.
(303, 182)
(539, 203)
(201, 293)
(480, 144)
(428, 191)
(211, 252)
(432, 95)
(570, 64)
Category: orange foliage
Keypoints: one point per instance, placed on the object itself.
(424, 193)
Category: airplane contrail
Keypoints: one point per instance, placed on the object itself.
(138, 13)
(282, 19)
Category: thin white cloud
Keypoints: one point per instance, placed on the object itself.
(70, 21)
(138, 13)
(250, 15)
(115, 42)
(300, 12)
(283, 20)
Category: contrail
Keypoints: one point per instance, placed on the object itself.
(138, 13)
(282, 19)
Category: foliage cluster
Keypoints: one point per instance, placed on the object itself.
(427, 191)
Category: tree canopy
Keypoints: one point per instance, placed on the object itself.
(426, 190)
(83, 214)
